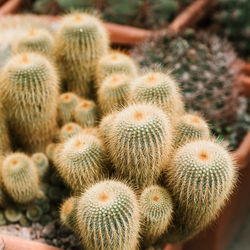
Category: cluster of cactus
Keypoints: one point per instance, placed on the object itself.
(140, 168)
(234, 23)
(201, 64)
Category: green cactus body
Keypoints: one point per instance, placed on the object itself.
(42, 163)
(85, 113)
(156, 212)
(50, 151)
(67, 103)
(114, 93)
(80, 161)
(34, 213)
(29, 90)
(200, 178)
(190, 127)
(116, 62)
(140, 142)
(5, 145)
(159, 89)
(12, 214)
(68, 213)
(2, 219)
(68, 130)
(35, 40)
(108, 217)
(81, 41)
(20, 177)
(234, 23)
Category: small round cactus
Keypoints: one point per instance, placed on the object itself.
(68, 130)
(68, 213)
(200, 178)
(35, 40)
(12, 214)
(116, 62)
(190, 127)
(81, 41)
(50, 150)
(140, 143)
(20, 177)
(80, 161)
(114, 92)
(156, 211)
(108, 217)
(66, 105)
(42, 163)
(29, 90)
(160, 89)
(85, 113)
(34, 213)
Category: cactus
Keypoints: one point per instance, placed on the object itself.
(116, 62)
(156, 212)
(20, 177)
(35, 40)
(108, 217)
(42, 163)
(114, 93)
(29, 89)
(190, 127)
(2, 219)
(68, 213)
(50, 150)
(201, 64)
(85, 113)
(34, 213)
(140, 142)
(160, 89)
(80, 161)
(66, 105)
(234, 23)
(5, 145)
(200, 179)
(24, 222)
(68, 130)
(12, 214)
(81, 41)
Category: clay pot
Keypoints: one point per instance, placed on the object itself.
(8, 242)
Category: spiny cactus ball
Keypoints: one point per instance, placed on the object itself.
(160, 89)
(80, 161)
(201, 63)
(140, 142)
(68, 130)
(156, 211)
(66, 105)
(20, 177)
(112, 207)
(116, 62)
(114, 92)
(42, 163)
(29, 91)
(81, 41)
(68, 213)
(85, 113)
(50, 150)
(200, 178)
(35, 40)
(190, 127)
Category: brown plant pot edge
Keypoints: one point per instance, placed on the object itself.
(8, 242)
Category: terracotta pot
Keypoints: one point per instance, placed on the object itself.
(8, 242)
(10, 7)
(127, 35)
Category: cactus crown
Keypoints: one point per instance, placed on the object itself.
(116, 62)
(190, 127)
(35, 40)
(114, 92)
(42, 163)
(112, 206)
(68, 130)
